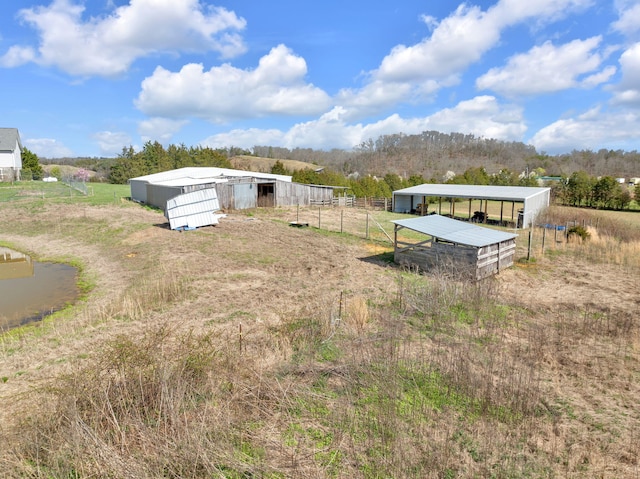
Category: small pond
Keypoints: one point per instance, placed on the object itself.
(30, 290)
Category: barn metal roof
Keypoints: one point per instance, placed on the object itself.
(191, 173)
(455, 231)
(505, 193)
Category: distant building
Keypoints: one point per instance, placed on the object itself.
(10, 154)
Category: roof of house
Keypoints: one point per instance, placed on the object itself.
(189, 174)
(455, 231)
(505, 193)
(9, 138)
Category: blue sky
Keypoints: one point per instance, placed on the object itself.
(87, 78)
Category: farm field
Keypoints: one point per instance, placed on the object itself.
(256, 349)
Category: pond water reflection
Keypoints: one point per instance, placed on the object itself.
(30, 290)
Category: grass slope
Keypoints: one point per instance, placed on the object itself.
(254, 349)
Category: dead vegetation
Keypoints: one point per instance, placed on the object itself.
(253, 349)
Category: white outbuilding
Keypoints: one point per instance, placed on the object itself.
(10, 154)
(235, 189)
(530, 200)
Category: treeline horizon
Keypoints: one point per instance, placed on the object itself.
(430, 154)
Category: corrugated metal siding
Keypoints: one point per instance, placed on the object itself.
(241, 196)
(138, 190)
(158, 195)
(455, 231)
(193, 209)
(534, 205)
(245, 196)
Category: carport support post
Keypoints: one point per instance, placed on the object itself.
(486, 203)
(469, 209)
(439, 205)
(501, 209)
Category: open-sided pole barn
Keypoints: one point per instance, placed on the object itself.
(454, 247)
(532, 199)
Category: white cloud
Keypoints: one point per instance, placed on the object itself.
(48, 148)
(547, 68)
(159, 129)
(107, 46)
(224, 93)
(628, 90)
(461, 39)
(111, 143)
(628, 22)
(17, 56)
(591, 130)
(482, 116)
(244, 138)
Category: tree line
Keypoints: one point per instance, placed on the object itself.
(154, 158)
(582, 189)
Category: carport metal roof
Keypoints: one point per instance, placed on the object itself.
(455, 231)
(504, 193)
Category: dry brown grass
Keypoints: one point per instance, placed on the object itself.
(254, 349)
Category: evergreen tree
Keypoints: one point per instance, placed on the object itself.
(31, 165)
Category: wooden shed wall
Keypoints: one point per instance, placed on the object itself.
(466, 262)
(293, 194)
(286, 194)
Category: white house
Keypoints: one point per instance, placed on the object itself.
(10, 154)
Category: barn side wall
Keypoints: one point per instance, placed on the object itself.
(158, 195)
(460, 261)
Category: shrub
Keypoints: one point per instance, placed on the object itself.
(579, 231)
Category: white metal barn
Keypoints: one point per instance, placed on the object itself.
(236, 189)
(532, 199)
(452, 247)
(10, 154)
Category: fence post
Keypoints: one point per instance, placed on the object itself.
(341, 219)
(319, 209)
(367, 227)
(544, 235)
(529, 246)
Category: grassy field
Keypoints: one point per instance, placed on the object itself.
(254, 349)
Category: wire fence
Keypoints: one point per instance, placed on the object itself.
(67, 188)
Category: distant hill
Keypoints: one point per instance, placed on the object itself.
(264, 165)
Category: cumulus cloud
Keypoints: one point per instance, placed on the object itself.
(111, 143)
(548, 68)
(159, 129)
(628, 22)
(16, 56)
(48, 148)
(456, 42)
(483, 116)
(628, 90)
(108, 45)
(593, 129)
(224, 93)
